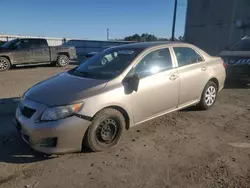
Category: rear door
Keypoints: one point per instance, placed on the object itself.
(40, 50)
(22, 52)
(192, 70)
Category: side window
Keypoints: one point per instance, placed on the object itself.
(155, 62)
(23, 44)
(186, 56)
(39, 43)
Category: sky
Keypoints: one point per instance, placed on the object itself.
(89, 19)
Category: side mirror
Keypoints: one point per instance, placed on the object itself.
(86, 57)
(131, 83)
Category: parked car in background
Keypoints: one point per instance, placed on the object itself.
(98, 101)
(2, 43)
(91, 54)
(237, 58)
(22, 51)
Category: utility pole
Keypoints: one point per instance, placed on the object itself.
(174, 20)
(108, 34)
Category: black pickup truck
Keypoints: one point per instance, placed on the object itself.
(23, 51)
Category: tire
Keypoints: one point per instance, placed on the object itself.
(62, 60)
(4, 64)
(209, 96)
(105, 131)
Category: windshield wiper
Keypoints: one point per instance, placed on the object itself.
(86, 74)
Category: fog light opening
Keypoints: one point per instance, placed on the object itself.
(48, 142)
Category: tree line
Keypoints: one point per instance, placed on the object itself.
(145, 37)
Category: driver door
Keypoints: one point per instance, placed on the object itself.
(23, 52)
(158, 88)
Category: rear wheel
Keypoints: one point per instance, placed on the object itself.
(105, 131)
(62, 60)
(4, 64)
(209, 96)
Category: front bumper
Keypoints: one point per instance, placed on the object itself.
(73, 56)
(68, 132)
(74, 59)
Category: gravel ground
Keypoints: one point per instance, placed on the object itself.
(184, 149)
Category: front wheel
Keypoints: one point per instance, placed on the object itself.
(209, 96)
(62, 60)
(4, 64)
(106, 130)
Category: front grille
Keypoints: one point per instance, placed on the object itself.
(237, 61)
(26, 111)
(48, 142)
(25, 137)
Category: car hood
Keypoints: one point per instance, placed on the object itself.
(64, 89)
(227, 53)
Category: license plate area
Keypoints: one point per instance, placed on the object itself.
(23, 135)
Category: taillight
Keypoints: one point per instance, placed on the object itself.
(224, 65)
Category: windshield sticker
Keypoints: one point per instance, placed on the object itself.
(126, 52)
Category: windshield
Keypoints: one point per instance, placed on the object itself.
(242, 45)
(9, 44)
(107, 64)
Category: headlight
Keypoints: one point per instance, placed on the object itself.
(60, 112)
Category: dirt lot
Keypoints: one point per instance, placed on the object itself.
(184, 149)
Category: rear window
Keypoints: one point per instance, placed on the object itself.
(186, 56)
(38, 43)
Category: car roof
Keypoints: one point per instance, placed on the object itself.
(245, 37)
(32, 38)
(145, 45)
(90, 53)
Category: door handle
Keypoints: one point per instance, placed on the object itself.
(173, 77)
(204, 68)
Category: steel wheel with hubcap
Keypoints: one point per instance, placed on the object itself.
(4, 64)
(62, 60)
(208, 96)
(105, 130)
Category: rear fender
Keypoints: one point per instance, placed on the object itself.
(217, 71)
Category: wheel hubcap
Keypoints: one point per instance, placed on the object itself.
(63, 61)
(107, 131)
(210, 95)
(3, 64)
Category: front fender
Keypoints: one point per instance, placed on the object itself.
(7, 55)
(114, 98)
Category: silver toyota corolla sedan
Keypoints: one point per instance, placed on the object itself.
(121, 87)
